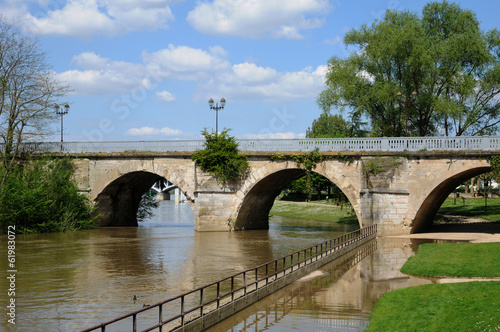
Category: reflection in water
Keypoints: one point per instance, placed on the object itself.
(69, 281)
(338, 297)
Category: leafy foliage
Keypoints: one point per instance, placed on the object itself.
(308, 162)
(39, 196)
(146, 207)
(220, 157)
(328, 125)
(495, 167)
(373, 166)
(442, 55)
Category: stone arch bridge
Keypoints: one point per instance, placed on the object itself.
(399, 191)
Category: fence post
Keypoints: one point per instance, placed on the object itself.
(384, 144)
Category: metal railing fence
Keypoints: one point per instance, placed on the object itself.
(459, 143)
(203, 300)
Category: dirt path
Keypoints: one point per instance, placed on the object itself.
(467, 229)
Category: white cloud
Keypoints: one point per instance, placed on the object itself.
(258, 18)
(150, 131)
(249, 72)
(186, 63)
(212, 72)
(165, 96)
(248, 81)
(85, 18)
(334, 41)
(97, 75)
(286, 135)
(90, 60)
(366, 75)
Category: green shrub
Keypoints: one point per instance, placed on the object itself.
(220, 157)
(40, 196)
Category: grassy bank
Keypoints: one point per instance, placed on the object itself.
(314, 211)
(328, 211)
(469, 306)
(474, 207)
(455, 260)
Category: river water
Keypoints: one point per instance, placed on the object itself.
(70, 281)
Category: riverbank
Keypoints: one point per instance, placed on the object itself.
(454, 211)
(317, 210)
(454, 305)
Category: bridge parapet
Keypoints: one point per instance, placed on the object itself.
(370, 144)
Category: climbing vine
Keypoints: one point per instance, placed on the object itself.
(495, 167)
(220, 157)
(373, 167)
(495, 164)
(308, 162)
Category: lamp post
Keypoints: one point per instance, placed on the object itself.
(62, 113)
(406, 102)
(217, 108)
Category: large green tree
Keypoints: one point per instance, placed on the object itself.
(334, 125)
(442, 55)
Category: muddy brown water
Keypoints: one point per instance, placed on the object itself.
(71, 281)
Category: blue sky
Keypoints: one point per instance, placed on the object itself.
(145, 69)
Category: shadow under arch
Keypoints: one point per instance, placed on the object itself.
(430, 206)
(118, 202)
(254, 209)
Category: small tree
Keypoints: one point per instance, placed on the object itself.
(220, 157)
(28, 92)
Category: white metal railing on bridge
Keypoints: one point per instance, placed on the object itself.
(459, 143)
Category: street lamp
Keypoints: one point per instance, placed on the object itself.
(62, 113)
(411, 100)
(217, 108)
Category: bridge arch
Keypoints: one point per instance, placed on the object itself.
(437, 195)
(118, 200)
(117, 204)
(259, 191)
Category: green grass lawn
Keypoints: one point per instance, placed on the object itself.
(469, 306)
(321, 212)
(455, 260)
(327, 211)
(474, 208)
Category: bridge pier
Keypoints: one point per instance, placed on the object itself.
(214, 206)
(162, 196)
(387, 208)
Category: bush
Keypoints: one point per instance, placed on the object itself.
(39, 196)
(220, 157)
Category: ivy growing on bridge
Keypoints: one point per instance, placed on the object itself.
(220, 157)
(308, 162)
(495, 164)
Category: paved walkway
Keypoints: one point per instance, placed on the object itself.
(469, 229)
